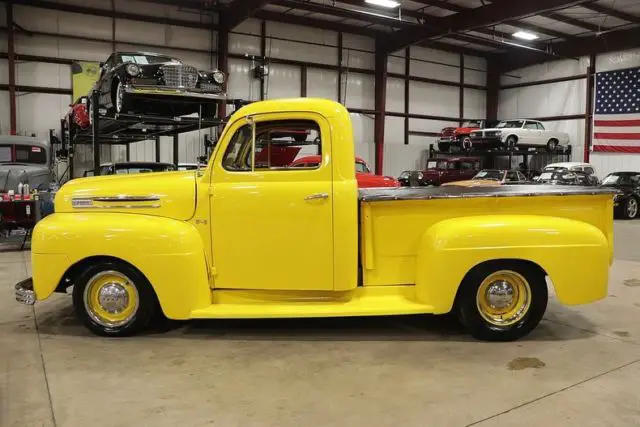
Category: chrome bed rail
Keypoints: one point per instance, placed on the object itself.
(453, 192)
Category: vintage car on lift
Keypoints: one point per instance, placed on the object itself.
(626, 202)
(154, 84)
(365, 178)
(460, 137)
(566, 177)
(439, 171)
(492, 177)
(522, 133)
(211, 245)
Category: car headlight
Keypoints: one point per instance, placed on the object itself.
(499, 133)
(420, 175)
(218, 77)
(132, 69)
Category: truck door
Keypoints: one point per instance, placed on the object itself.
(272, 224)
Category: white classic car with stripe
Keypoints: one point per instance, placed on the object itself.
(523, 132)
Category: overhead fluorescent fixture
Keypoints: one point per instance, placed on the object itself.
(525, 35)
(383, 3)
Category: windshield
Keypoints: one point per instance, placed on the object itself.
(437, 164)
(144, 59)
(23, 154)
(472, 124)
(362, 167)
(490, 174)
(510, 124)
(611, 179)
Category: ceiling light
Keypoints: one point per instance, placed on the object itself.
(383, 3)
(524, 35)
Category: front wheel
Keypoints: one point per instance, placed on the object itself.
(630, 209)
(113, 299)
(511, 143)
(552, 145)
(502, 300)
(466, 144)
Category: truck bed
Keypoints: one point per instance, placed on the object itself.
(432, 237)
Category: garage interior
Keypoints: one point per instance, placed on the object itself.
(404, 72)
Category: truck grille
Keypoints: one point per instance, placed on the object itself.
(182, 76)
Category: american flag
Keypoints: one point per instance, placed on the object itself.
(616, 119)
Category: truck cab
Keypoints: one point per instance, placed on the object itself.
(251, 237)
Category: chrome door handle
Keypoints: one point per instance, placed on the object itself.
(317, 196)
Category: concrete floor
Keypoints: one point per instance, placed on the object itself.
(580, 367)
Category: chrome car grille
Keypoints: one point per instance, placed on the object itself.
(491, 133)
(179, 75)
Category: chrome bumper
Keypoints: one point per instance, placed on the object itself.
(25, 293)
(159, 90)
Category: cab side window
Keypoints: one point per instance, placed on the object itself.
(277, 145)
(466, 165)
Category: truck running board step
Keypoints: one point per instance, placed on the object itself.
(363, 301)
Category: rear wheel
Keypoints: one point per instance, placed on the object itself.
(113, 299)
(552, 145)
(502, 300)
(512, 141)
(630, 208)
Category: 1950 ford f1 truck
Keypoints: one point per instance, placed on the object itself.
(245, 239)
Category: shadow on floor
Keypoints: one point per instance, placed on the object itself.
(59, 319)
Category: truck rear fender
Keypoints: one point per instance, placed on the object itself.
(168, 252)
(573, 254)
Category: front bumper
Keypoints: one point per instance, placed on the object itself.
(177, 92)
(25, 293)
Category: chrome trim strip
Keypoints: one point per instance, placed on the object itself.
(86, 202)
(159, 90)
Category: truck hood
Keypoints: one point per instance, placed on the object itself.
(167, 194)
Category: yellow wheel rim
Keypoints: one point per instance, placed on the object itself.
(503, 298)
(111, 299)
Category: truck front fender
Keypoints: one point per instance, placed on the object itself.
(572, 253)
(170, 254)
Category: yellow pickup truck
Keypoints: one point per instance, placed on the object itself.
(253, 236)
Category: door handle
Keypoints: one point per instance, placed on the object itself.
(317, 196)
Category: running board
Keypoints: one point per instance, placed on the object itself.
(362, 301)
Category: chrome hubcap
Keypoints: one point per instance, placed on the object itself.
(113, 298)
(632, 207)
(499, 294)
(466, 143)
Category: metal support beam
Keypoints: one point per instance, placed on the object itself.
(12, 69)
(95, 126)
(340, 67)
(263, 54)
(223, 64)
(407, 83)
(461, 93)
(493, 90)
(176, 150)
(608, 11)
(588, 122)
(303, 81)
(572, 21)
(494, 13)
(128, 152)
(157, 148)
(240, 10)
(380, 101)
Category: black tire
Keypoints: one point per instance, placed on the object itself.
(511, 142)
(552, 145)
(444, 147)
(147, 301)
(630, 208)
(473, 320)
(466, 144)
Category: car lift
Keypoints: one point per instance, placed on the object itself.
(562, 154)
(125, 129)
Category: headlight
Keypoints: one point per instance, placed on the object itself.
(133, 70)
(499, 133)
(420, 175)
(218, 77)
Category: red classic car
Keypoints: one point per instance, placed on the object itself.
(439, 171)
(78, 116)
(363, 174)
(461, 136)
